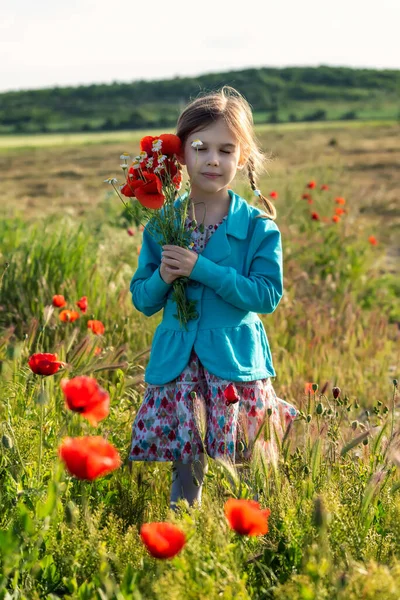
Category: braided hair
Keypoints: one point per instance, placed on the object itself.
(268, 206)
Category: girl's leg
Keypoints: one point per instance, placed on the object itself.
(187, 481)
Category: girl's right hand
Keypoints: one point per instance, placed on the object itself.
(167, 276)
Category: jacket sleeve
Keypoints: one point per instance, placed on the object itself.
(262, 290)
(149, 291)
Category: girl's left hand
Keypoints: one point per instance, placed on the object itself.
(179, 261)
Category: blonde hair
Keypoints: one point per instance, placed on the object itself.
(228, 104)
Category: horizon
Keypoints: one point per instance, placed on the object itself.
(46, 45)
(195, 75)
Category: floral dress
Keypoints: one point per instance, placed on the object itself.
(191, 414)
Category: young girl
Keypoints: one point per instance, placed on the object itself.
(220, 368)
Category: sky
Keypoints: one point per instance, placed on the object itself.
(49, 43)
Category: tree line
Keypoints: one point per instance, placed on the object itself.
(286, 94)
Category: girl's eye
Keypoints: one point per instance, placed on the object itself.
(225, 151)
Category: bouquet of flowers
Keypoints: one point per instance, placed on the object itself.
(152, 184)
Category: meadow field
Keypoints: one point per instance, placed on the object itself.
(334, 527)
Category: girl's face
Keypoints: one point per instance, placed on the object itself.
(213, 165)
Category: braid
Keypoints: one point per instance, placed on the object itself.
(268, 206)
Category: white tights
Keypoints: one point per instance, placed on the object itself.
(187, 481)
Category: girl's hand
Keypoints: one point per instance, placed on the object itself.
(167, 276)
(177, 261)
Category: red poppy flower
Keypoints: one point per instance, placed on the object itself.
(162, 540)
(58, 301)
(308, 387)
(44, 363)
(231, 395)
(171, 144)
(324, 187)
(339, 211)
(340, 200)
(68, 316)
(89, 457)
(309, 201)
(132, 181)
(149, 192)
(336, 218)
(372, 240)
(311, 185)
(246, 517)
(130, 231)
(306, 197)
(82, 304)
(96, 326)
(84, 395)
(315, 216)
(146, 143)
(273, 195)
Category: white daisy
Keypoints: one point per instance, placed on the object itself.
(111, 180)
(196, 143)
(124, 156)
(156, 146)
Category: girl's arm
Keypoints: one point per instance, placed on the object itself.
(149, 291)
(262, 290)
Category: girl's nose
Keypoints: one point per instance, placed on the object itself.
(212, 161)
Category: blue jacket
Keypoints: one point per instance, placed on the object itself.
(238, 274)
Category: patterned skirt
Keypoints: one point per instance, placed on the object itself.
(191, 415)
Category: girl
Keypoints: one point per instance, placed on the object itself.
(218, 371)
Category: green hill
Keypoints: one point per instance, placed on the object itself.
(276, 95)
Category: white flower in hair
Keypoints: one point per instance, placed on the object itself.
(196, 143)
(162, 158)
(149, 163)
(124, 156)
(257, 193)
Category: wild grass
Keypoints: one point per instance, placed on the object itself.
(334, 496)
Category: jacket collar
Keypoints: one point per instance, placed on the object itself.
(238, 217)
(237, 223)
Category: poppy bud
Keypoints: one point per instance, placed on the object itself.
(269, 411)
(309, 417)
(231, 395)
(336, 392)
(315, 387)
(354, 425)
(192, 395)
(395, 383)
(7, 441)
(319, 409)
(365, 442)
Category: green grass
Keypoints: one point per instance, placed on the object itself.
(334, 498)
